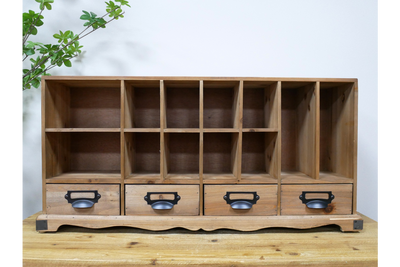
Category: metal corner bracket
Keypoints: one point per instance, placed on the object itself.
(41, 225)
(358, 224)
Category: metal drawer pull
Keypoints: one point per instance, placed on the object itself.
(83, 203)
(162, 204)
(241, 204)
(317, 203)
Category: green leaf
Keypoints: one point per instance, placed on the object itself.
(45, 3)
(30, 52)
(35, 82)
(67, 63)
(86, 15)
(34, 31)
(48, 6)
(123, 2)
(33, 44)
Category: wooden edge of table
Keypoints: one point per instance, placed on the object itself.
(347, 223)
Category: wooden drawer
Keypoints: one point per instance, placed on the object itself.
(160, 200)
(341, 204)
(82, 199)
(215, 203)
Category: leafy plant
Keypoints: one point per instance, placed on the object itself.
(44, 57)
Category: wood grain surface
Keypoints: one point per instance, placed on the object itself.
(119, 246)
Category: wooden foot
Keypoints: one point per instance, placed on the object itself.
(347, 223)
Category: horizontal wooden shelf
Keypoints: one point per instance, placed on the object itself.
(142, 130)
(86, 177)
(258, 177)
(324, 178)
(220, 130)
(82, 130)
(182, 130)
(182, 176)
(262, 130)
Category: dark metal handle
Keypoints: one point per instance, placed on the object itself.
(162, 204)
(83, 203)
(316, 203)
(241, 204)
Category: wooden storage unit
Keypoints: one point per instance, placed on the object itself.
(199, 152)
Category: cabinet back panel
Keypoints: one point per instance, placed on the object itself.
(218, 108)
(183, 152)
(217, 153)
(95, 152)
(182, 107)
(95, 107)
(146, 109)
(143, 152)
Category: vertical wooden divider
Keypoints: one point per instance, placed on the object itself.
(239, 124)
(355, 155)
(317, 130)
(44, 88)
(201, 148)
(122, 133)
(278, 143)
(163, 125)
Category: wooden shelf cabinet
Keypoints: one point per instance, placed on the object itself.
(158, 149)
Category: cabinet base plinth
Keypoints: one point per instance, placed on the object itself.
(347, 223)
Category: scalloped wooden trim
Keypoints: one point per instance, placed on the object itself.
(194, 223)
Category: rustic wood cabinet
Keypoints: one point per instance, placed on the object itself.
(199, 152)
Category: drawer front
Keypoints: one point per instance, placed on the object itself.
(240, 200)
(316, 198)
(83, 199)
(162, 200)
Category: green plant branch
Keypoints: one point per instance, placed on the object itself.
(44, 58)
(31, 28)
(52, 55)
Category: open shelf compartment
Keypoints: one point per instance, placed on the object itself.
(260, 160)
(142, 104)
(85, 157)
(221, 104)
(220, 154)
(142, 157)
(82, 104)
(260, 105)
(337, 131)
(181, 156)
(181, 104)
(298, 132)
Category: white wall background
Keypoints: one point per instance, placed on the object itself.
(285, 38)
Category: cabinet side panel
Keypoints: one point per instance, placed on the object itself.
(343, 135)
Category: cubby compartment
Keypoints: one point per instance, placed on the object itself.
(260, 160)
(83, 104)
(260, 104)
(74, 157)
(181, 156)
(337, 131)
(142, 104)
(220, 154)
(182, 104)
(298, 131)
(221, 104)
(142, 156)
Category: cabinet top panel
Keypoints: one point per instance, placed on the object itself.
(193, 78)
